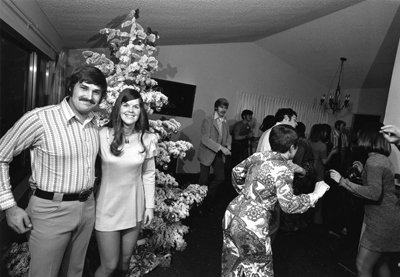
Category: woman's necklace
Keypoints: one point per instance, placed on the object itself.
(126, 137)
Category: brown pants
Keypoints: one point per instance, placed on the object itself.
(60, 236)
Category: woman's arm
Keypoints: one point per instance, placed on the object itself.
(372, 190)
(325, 159)
(148, 177)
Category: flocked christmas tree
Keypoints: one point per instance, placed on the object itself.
(131, 64)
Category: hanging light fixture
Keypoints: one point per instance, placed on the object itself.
(334, 100)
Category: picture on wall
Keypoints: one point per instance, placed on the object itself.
(180, 98)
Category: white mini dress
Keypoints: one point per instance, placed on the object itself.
(124, 191)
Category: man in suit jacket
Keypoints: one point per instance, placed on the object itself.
(214, 146)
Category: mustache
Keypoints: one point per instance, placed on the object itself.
(86, 100)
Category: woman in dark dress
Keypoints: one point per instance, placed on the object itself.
(321, 158)
(382, 207)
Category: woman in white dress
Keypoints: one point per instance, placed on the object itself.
(125, 198)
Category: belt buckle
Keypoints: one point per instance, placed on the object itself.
(84, 195)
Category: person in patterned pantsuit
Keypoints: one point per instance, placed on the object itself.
(261, 180)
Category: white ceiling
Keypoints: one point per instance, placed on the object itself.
(310, 35)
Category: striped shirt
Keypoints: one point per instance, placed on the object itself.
(335, 140)
(62, 149)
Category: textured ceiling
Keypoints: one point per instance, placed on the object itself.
(310, 35)
(186, 21)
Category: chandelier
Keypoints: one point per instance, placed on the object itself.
(334, 100)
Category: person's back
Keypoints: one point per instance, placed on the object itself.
(319, 152)
(304, 152)
(308, 154)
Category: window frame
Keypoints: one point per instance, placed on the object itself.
(19, 179)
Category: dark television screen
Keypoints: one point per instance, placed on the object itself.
(180, 98)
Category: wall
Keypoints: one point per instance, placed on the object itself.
(392, 115)
(362, 101)
(224, 70)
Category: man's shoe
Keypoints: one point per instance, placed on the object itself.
(334, 234)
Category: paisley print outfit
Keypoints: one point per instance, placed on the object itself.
(261, 180)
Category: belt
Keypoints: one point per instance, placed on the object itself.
(81, 196)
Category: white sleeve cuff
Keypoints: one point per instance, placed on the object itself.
(313, 198)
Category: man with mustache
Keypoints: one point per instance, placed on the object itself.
(63, 141)
(214, 146)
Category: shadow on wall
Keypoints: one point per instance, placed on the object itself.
(191, 134)
(166, 73)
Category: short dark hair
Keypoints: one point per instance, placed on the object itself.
(268, 122)
(90, 75)
(115, 123)
(221, 102)
(280, 114)
(370, 139)
(301, 129)
(282, 137)
(246, 112)
(339, 122)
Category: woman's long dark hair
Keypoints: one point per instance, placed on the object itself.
(116, 123)
(316, 133)
(327, 130)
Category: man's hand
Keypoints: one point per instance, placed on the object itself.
(301, 171)
(358, 165)
(225, 151)
(335, 175)
(335, 150)
(391, 133)
(18, 220)
(320, 188)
